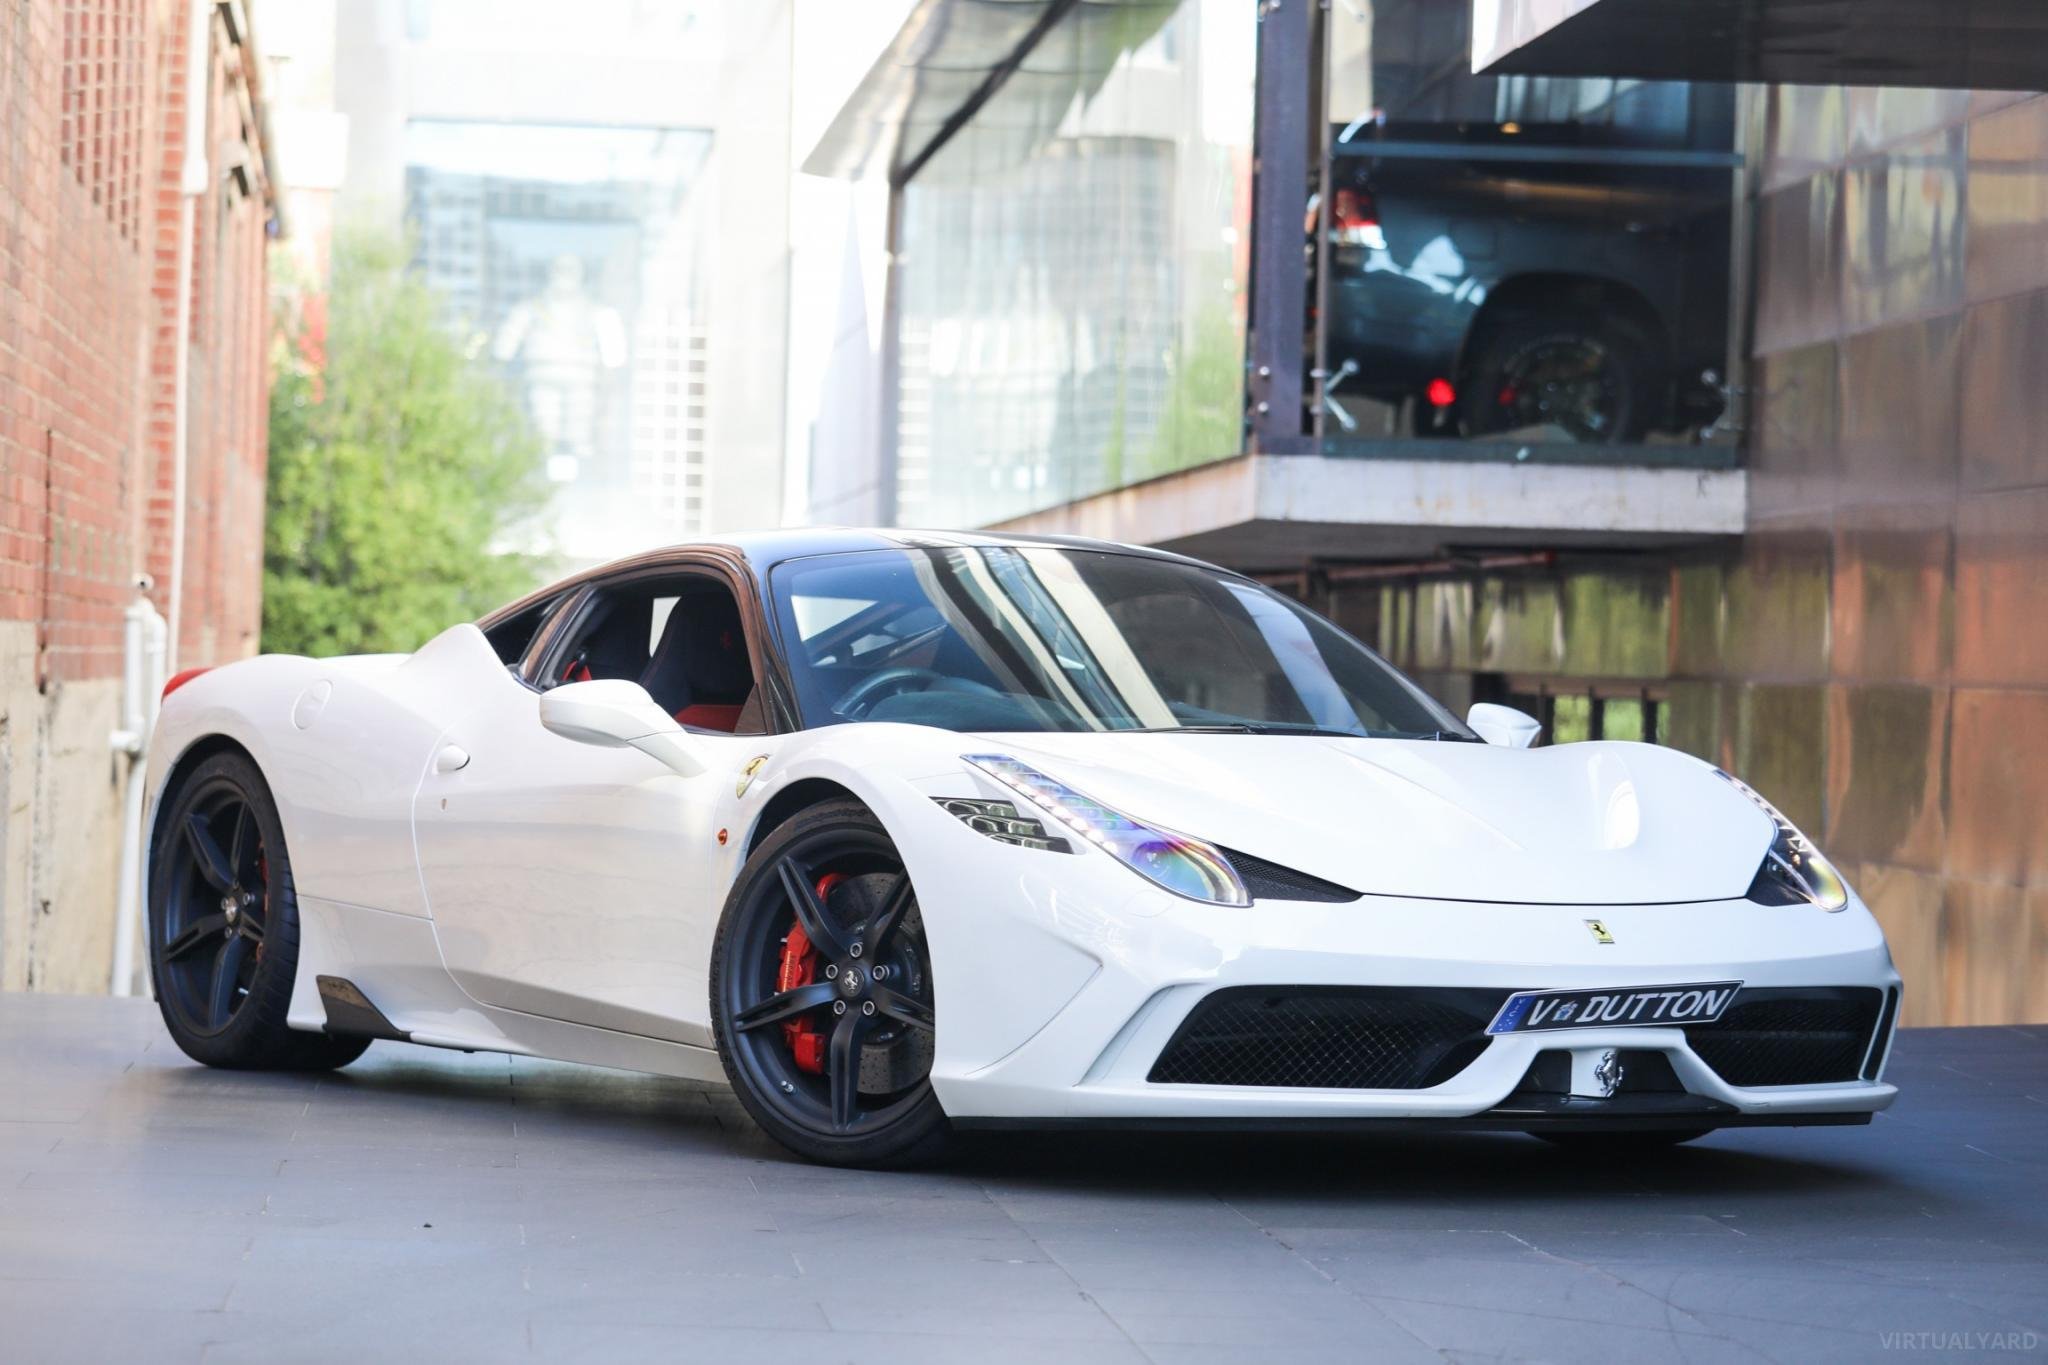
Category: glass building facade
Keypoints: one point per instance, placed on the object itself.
(1073, 269)
(568, 255)
(1868, 652)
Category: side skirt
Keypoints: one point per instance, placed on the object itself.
(350, 1012)
(1492, 1121)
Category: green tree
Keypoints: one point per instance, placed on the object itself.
(401, 469)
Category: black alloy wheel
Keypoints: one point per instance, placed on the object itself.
(214, 913)
(223, 925)
(821, 994)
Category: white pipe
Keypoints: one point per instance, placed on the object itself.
(192, 184)
(128, 906)
(142, 682)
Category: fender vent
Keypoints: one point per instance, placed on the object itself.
(1329, 1037)
(1266, 881)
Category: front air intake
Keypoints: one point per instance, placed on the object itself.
(1329, 1037)
(1791, 1035)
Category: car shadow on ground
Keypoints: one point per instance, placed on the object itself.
(695, 1121)
(1405, 1167)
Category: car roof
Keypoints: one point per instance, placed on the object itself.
(763, 550)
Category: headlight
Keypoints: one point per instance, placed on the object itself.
(1000, 821)
(1793, 871)
(1187, 867)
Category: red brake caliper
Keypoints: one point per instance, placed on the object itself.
(800, 968)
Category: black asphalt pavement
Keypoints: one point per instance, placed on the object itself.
(429, 1205)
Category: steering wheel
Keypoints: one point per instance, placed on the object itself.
(888, 682)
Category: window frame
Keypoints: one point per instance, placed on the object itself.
(545, 604)
(548, 649)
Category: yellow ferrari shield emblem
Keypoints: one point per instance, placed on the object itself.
(747, 774)
(1598, 930)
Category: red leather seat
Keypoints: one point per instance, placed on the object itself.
(707, 715)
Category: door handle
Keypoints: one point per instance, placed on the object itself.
(450, 759)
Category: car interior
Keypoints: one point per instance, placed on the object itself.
(682, 639)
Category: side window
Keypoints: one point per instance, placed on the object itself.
(510, 637)
(682, 638)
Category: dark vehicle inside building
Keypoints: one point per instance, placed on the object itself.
(1519, 257)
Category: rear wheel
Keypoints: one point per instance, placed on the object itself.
(821, 994)
(1592, 377)
(224, 926)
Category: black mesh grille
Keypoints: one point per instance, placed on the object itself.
(1329, 1037)
(1272, 882)
(1801, 1035)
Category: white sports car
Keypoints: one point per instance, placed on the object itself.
(905, 832)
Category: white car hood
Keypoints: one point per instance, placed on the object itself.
(1576, 824)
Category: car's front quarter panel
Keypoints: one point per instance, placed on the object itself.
(1060, 977)
(1013, 933)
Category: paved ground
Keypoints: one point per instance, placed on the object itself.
(430, 1205)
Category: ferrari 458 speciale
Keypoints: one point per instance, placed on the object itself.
(902, 833)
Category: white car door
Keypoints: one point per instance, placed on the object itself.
(574, 881)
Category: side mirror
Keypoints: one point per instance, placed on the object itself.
(618, 714)
(1502, 725)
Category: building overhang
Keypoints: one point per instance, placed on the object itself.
(1283, 512)
(1951, 44)
(989, 60)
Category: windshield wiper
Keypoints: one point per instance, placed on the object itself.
(1246, 727)
(1252, 727)
(1217, 729)
(1282, 728)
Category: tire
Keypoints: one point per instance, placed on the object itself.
(865, 1097)
(223, 974)
(1636, 1142)
(1595, 377)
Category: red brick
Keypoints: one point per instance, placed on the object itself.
(90, 236)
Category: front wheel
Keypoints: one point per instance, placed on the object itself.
(821, 994)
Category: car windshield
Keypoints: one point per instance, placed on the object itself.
(1002, 639)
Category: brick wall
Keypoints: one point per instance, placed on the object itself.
(228, 385)
(91, 228)
(73, 92)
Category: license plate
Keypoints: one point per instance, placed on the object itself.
(1698, 1002)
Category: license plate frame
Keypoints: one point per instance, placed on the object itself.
(1583, 1007)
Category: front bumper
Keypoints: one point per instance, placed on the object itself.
(1096, 972)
